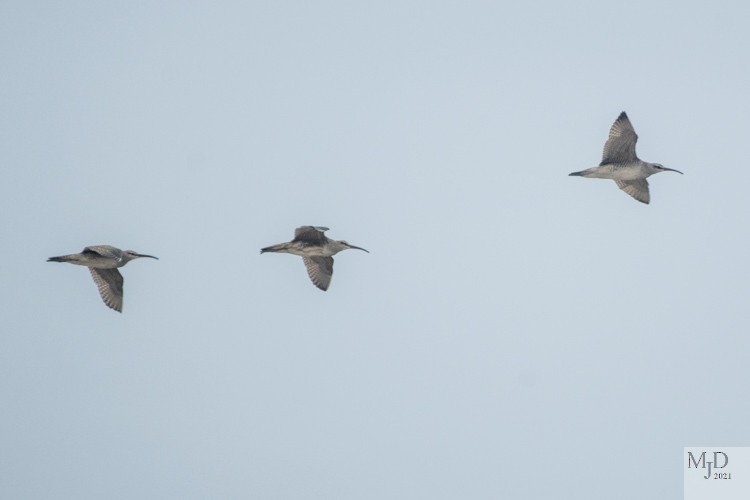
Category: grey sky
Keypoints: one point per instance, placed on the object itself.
(514, 333)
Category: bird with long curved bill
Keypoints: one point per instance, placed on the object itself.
(621, 164)
(316, 250)
(103, 261)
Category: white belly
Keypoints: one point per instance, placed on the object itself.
(627, 172)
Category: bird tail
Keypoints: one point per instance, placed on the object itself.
(63, 258)
(281, 247)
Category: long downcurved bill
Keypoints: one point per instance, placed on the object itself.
(149, 256)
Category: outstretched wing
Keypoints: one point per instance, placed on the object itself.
(105, 251)
(620, 146)
(320, 270)
(638, 189)
(109, 282)
(311, 234)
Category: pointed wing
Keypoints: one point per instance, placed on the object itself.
(105, 251)
(638, 189)
(312, 234)
(620, 146)
(320, 270)
(109, 282)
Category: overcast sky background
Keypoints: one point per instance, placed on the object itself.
(514, 332)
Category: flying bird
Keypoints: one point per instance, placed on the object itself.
(103, 261)
(316, 251)
(620, 163)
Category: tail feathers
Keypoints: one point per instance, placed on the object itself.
(281, 247)
(63, 258)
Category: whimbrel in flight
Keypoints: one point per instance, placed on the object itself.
(620, 163)
(316, 251)
(103, 261)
